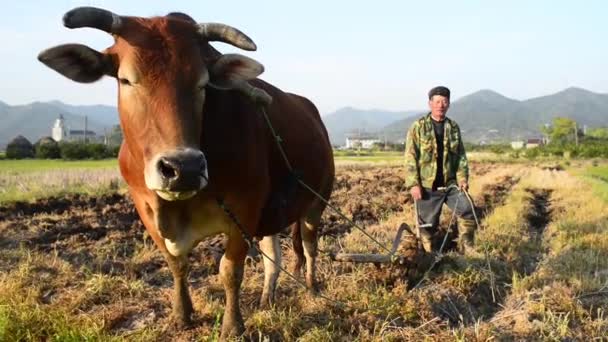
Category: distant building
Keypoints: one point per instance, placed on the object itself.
(517, 144)
(528, 143)
(534, 142)
(79, 135)
(61, 133)
(361, 140)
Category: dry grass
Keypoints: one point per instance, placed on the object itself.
(564, 296)
(527, 281)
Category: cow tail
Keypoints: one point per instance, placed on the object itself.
(298, 248)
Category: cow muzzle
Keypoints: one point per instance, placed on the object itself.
(178, 174)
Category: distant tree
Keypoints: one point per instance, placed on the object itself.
(393, 146)
(599, 133)
(47, 148)
(73, 150)
(115, 136)
(79, 150)
(113, 151)
(561, 132)
(97, 151)
(19, 148)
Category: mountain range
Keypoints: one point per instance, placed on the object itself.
(35, 120)
(483, 116)
(491, 117)
(351, 120)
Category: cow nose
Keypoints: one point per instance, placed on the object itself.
(184, 170)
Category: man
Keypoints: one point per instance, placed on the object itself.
(438, 171)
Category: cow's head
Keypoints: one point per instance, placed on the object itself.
(163, 66)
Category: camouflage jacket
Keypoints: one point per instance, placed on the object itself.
(421, 154)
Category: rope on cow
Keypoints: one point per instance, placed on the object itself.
(289, 167)
(249, 241)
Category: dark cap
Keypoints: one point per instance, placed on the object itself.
(440, 90)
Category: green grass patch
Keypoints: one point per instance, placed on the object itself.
(598, 172)
(597, 176)
(33, 165)
(25, 316)
(366, 156)
(29, 180)
(20, 322)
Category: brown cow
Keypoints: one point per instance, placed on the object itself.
(191, 138)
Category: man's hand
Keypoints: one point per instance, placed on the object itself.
(416, 192)
(463, 185)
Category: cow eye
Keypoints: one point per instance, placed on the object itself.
(124, 81)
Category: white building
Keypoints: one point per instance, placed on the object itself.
(356, 141)
(517, 144)
(59, 132)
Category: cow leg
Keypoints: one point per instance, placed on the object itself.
(308, 229)
(309, 242)
(182, 304)
(271, 246)
(231, 275)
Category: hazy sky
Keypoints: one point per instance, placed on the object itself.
(366, 54)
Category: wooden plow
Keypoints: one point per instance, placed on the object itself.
(406, 254)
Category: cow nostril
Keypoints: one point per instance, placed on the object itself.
(167, 169)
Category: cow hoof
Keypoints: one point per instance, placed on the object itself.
(312, 286)
(181, 323)
(266, 302)
(296, 270)
(231, 331)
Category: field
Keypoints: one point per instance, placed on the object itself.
(76, 264)
(28, 180)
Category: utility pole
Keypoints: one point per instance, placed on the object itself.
(575, 133)
(85, 129)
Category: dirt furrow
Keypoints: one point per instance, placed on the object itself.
(461, 294)
(538, 219)
(530, 252)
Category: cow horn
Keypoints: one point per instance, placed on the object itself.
(226, 34)
(93, 17)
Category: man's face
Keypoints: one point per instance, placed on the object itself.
(439, 106)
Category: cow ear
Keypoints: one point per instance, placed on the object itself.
(78, 62)
(231, 70)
